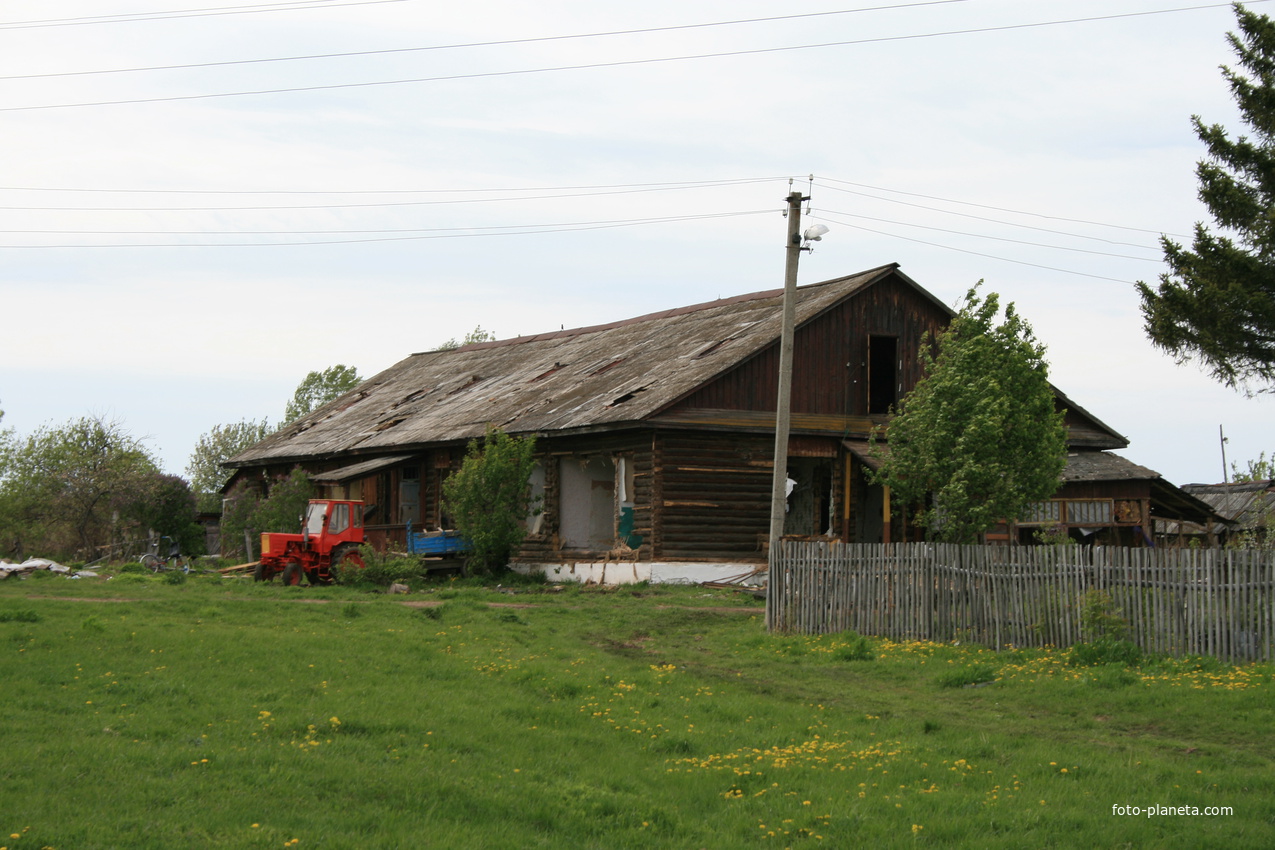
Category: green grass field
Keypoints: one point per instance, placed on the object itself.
(218, 713)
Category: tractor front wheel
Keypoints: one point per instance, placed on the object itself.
(263, 573)
(292, 574)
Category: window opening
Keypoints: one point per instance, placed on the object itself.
(883, 376)
(340, 518)
(314, 518)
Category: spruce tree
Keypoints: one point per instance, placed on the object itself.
(1216, 304)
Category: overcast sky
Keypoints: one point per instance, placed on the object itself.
(200, 202)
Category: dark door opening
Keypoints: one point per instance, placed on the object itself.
(883, 375)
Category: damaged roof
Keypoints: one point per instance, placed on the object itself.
(597, 377)
(602, 375)
(1246, 504)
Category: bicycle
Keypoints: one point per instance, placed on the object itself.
(157, 563)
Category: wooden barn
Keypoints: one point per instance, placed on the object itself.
(656, 434)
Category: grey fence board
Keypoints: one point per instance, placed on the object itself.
(1218, 602)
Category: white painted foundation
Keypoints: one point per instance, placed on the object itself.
(633, 572)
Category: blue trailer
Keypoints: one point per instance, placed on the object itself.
(436, 544)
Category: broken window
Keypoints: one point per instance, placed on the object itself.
(535, 507)
(810, 497)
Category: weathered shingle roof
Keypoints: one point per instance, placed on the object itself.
(1104, 466)
(1248, 504)
(574, 379)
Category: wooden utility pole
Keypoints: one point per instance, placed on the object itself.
(783, 411)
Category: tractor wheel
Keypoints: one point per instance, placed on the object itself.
(292, 574)
(262, 573)
(345, 555)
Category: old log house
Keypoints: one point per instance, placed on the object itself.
(655, 434)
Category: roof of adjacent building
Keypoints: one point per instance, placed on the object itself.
(1246, 504)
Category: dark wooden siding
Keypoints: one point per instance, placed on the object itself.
(830, 355)
(713, 499)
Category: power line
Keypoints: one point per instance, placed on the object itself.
(978, 253)
(988, 207)
(995, 220)
(616, 64)
(996, 238)
(473, 44)
(418, 234)
(691, 184)
(136, 17)
(562, 195)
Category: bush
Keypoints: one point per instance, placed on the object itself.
(1106, 632)
(1105, 651)
(489, 498)
(379, 569)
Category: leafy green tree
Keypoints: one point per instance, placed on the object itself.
(1261, 469)
(167, 506)
(72, 490)
(207, 475)
(1216, 304)
(320, 387)
(489, 497)
(279, 510)
(476, 335)
(978, 436)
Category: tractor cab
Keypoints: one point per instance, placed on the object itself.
(333, 519)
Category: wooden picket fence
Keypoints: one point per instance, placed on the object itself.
(1218, 602)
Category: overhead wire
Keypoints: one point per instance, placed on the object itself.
(995, 238)
(398, 234)
(138, 17)
(419, 233)
(828, 180)
(975, 253)
(564, 195)
(734, 181)
(1002, 221)
(497, 43)
(612, 64)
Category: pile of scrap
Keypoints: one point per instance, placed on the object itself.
(31, 565)
(753, 583)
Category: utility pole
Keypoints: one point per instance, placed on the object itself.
(783, 411)
(1221, 438)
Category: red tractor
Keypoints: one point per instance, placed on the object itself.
(331, 533)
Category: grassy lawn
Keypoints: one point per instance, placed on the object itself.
(219, 713)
